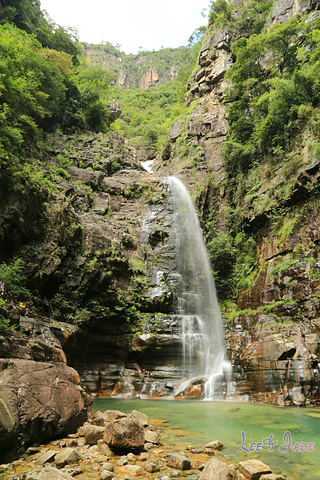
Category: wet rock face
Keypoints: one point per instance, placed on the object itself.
(276, 362)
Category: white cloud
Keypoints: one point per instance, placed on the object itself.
(130, 23)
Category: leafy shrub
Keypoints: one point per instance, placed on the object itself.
(14, 279)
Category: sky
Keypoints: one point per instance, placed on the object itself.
(132, 24)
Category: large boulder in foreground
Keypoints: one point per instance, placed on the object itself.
(39, 400)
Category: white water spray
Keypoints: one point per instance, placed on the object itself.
(197, 305)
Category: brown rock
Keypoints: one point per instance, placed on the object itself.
(272, 476)
(140, 417)
(134, 470)
(124, 433)
(41, 400)
(93, 433)
(217, 470)
(48, 473)
(214, 445)
(152, 437)
(151, 467)
(253, 469)
(180, 462)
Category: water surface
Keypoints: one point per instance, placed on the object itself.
(196, 423)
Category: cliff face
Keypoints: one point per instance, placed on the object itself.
(143, 70)
(97, 250)
(273, 333)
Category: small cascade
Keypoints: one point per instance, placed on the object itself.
(196, 302)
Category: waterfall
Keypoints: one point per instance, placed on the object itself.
(196, 301)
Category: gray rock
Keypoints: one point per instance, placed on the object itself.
(107, 466)
(66, 457)
(217, 470)
(272, 476)
(254, 469)
(177, 461)
(175, 474)
(152, 437)
(49, 473)
(151, 467)
(140, 417)
(47, 457)
(125, 433)
(106, 475)
(214, 445)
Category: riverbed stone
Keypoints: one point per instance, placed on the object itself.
(106, 475)
(152, 437)
(125, 433)
(151, 467)
(93, 433)
(107, 466)
(253, 469)
(134, 470)
(177, 461)
(214, 445)
(66, 457)
(49, 473)
(141, 417)
(272, 476)
(47, 457)
(217, 470)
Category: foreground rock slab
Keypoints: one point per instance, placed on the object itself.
(253, 469)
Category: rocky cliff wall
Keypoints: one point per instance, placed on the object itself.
(272, 330)
(97, 253)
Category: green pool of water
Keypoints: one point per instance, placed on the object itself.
(196, 423)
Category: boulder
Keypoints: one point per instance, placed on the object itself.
(39, 401)
(217, 470)
(177, 461)
(253, 469)
(125, 433)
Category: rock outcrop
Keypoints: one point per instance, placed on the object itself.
(40, 396)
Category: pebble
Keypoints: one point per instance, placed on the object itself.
(175, 473)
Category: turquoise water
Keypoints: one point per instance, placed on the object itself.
(196, 423)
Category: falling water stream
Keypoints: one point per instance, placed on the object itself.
(196, 301)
